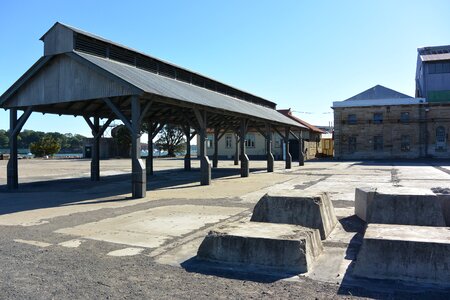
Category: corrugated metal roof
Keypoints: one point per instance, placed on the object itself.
(170, 88)
(435, 57)
(91, 35)
(288, 113)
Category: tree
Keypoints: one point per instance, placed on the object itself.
(171, 139)
(26, 137)
(74, 143)
(4, 139)
(47, 145)
(122, 137)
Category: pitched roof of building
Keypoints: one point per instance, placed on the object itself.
(206, 81)
(378, 92)
(288, 113)
(435, 53)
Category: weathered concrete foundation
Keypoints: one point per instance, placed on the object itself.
(396, 205)
(444, 200)
(405, 252)
(313, 210)
(282, 247)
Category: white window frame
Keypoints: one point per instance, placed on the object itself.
(228, 141)
(250, 140)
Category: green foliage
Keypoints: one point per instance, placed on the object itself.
(47, 145)
(122, 138)
(69, 143)
(171, 139)
(4, 139)
(28, 137)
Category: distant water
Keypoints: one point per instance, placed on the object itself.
(68, 155)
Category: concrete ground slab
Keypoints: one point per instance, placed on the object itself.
(308, 209)
(126, 252)
(45, 204)
(152, 227)
(288, 248)
(405, 252)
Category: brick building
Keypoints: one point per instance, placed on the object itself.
(381, 123)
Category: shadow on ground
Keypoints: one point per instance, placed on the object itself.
(237, 272)
(59, 192)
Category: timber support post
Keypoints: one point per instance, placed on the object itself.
(236, 151)
(15, 126)
(95, 160)
(139, 176)
(270, 159)
(287, 154)
(187, 157)
(189, 137)
(245, 170)
(301, 155)
(149, 158)
(13, 172)
(97, 132)
(216, 148)
(205, 164)
(153, 130)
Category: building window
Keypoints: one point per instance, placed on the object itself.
(277, 142)
(228, 141)
(404, 117)
(352, 144)
(441, 139)
(405, 144)
(378, 143)
(378, 118)
(250, 140)
(209, 141)
(351, 119)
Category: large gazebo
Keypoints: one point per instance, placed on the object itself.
(85, 75)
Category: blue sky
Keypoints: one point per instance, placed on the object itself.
(301, 54)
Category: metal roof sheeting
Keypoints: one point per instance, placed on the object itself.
(155, 84)
(435, 57)
(378, 92)
(93, 36)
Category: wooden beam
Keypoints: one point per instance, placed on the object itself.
(118, 113)
(147, 107)
(193, 134)
(89, 122)
(282, 135)
(23, 118)
(294, 135)
(103, 128)
(224, 132)
(261, 132)
(157, 130)
(200, 119)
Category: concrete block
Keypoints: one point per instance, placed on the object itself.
(399, 205)
(443, 195)
(313, 210)
(444, 199)
(283, 247)
(363, 199)
(405, 252)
